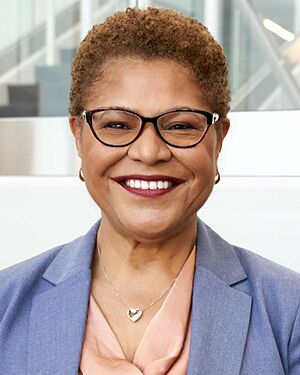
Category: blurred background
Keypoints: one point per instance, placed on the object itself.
(257, 203)
(39, 38)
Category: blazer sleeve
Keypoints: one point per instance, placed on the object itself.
(294, 346)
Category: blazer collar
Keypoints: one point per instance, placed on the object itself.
(58, 315)
(213, 253)
(218, 256)
(74, 257)
(220, 314)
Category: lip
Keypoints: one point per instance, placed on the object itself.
(149, 193)
(154, 177)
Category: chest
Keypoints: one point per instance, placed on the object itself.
(128, 334)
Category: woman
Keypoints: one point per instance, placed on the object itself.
(150, 289)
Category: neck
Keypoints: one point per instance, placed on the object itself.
(143, 260)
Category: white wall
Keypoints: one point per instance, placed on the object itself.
(262, 144)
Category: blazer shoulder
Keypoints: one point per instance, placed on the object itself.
(275, 292)
(26, 268)
(23, 279)
(262, 268)
(269, 281)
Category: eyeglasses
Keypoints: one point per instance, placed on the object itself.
(181, 128)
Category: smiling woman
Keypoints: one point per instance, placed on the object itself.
(150, 289)
(146, 151)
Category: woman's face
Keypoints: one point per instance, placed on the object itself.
(148, 88)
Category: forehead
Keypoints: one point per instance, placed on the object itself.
(148, 87)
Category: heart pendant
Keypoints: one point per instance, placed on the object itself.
(134, 314)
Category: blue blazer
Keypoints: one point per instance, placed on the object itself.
(245, 311)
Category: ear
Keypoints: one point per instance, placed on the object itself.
(222, 129)
(76, 130)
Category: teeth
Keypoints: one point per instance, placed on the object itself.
(146, 185)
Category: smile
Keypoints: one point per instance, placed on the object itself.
(149, 186)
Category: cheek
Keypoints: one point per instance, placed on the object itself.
(203, 176)
(201, 161)
(203, 180)
(97, 158)
(97, 161)
(202, 169)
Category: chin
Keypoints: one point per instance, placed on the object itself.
(150, 227)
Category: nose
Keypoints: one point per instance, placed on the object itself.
(149, 148)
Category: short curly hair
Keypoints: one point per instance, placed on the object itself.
(152, 33)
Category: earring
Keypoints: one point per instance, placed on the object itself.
(81, 175)
(217, 178)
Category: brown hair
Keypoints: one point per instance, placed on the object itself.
(151, 33)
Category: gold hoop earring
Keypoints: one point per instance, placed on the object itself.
(217, 178)
(81, 175)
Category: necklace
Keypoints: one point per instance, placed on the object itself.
(133, 313)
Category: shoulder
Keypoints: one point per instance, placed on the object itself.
(20, 282)
(23, 269)
(275, 289)
(239, 267)
(275, 292)
(24, 278)
(262, 271)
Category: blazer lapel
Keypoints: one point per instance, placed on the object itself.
(220, 313)
(58, 314)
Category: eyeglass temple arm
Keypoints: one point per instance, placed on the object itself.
(215, 118)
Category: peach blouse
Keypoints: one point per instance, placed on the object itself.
(164, 347)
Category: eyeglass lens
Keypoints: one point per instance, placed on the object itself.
(117, 127)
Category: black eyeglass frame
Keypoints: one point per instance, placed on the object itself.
(211, 118)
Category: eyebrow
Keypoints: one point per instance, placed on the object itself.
(166, 110)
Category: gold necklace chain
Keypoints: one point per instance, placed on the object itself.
(133, 313)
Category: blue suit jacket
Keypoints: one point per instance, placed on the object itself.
(245, 311)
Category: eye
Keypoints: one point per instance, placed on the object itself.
(180, 126)
(116, 125)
